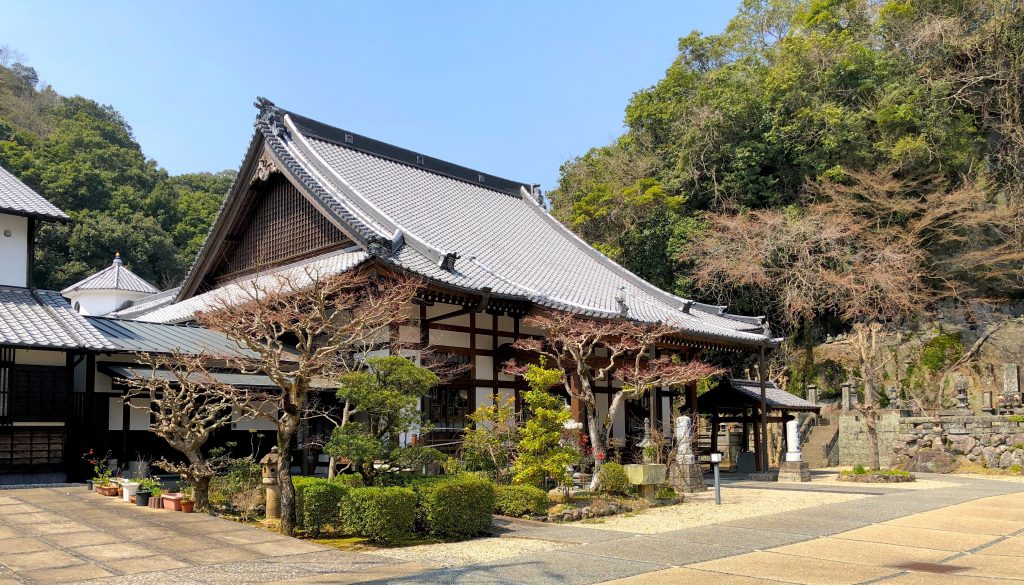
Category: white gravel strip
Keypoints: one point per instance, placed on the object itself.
(700, 509)
(450, 554)
(994, 477)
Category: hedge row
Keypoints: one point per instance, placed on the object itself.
(520, 500)
(448, 507)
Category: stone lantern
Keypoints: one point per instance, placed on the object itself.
(269, 470)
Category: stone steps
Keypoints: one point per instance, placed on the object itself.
(814, 447)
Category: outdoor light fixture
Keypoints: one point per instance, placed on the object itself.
(716, 459)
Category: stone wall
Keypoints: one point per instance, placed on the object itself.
(992, 441)
(853, 438)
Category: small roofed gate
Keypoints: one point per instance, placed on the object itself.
(33, 406)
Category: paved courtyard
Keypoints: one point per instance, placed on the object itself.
(969, 532)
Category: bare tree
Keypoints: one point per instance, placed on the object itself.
(304, 326)
(188, 405)
(594, 349)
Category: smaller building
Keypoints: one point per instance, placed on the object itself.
(112, 289)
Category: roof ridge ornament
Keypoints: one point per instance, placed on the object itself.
(620, 299)
(117, 259)
(265, 167)
(271, 115)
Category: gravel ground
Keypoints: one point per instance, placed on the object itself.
(451, 554)
(700, 509)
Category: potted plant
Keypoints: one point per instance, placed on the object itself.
(145, 491)
(188, 498)
(102, 482)
(156, 497)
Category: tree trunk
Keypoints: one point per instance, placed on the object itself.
(871, 423)
(598, 442)
(286, 429)
(202, 489)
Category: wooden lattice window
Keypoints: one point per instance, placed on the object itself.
(6, 364)
(28, 450)
(281, 226)
(38, 393)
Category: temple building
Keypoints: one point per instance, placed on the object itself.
(313, 197)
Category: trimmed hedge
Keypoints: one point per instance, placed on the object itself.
(322, 506)
(349, 480)
(382, 514)
(301, 483)
(519, 500)
(613, 479)
(459, 507)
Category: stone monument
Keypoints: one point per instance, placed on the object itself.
(793, 468)
(683, 472)
(1011, 386)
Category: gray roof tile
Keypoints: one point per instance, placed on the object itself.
(297, 274)
(777, 398)
(18, 199)
(44, 319)
(138, 336)
(114, 277)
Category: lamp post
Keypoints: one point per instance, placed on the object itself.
(716, 459)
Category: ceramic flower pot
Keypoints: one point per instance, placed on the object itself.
(107, 490)
(187, 506)
(142, 498)
(172, 502)
(128, 489)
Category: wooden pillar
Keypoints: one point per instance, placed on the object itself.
(762, 371)
(759, 454)
(714, 430)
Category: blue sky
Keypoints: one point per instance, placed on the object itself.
(509, 88)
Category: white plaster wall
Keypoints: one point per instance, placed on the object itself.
(265, 421)
(619, 424)
(484, 367)
(32, 357)
(13, 250)
(139, 415)
(115, 414)
(101, 302)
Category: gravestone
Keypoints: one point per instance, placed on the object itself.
(845, 403)
(812, 393)
(1011, 385)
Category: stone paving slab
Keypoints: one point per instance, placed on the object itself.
(921, 537)
(791, 569)
(651, 549)
(747, 539)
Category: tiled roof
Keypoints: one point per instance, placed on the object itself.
(776, 398)
(134, 336)
(17, 198)
(114, 277)
(297, 274)
(44, 319)
(470, 231)
(235, 379)
(146, 304)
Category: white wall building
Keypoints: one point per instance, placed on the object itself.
(111, 289)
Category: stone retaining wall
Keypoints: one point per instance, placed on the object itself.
(992, 441)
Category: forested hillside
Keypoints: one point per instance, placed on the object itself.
(83, 157)
(830, 161)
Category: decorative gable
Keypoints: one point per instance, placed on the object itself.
(278, 226)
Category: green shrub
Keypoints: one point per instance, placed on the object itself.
(613, 479)
(1016, 469)
(518, 500)
(321, 506)
(349, 480)
(859, 469)
(665, 493)
(459, 507)
(1016, 418)
(301, 483)
(240, 488)
(382, 514)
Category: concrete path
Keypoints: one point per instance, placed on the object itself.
(974, 530)
(60, 535)
(976, 526)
